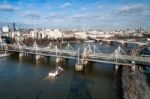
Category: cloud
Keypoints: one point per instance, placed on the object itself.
(86, 16)
(7, 7)
(55, 16)
(78, 17)
(32, 15)
(132, 9)
(75, 17)
(65, 5)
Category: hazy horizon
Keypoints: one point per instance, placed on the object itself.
(71, 14)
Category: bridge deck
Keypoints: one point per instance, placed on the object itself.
(94, 57)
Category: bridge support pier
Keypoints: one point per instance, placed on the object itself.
(85, 62)
(6, 52)
(21, 55)
(25, 54)
(37, 57)
(78, 67)
(58, 60)
(134, 67)
(85, 55)
(116, 67)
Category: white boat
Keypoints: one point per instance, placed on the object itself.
(56, 72)
(4, 54)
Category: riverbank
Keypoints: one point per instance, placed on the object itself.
(134, 84)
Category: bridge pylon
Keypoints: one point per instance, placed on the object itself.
(58, 58)
(85, 55)
(118, 54)
(21, 54)
(79, 64)
(116, 67)
(37, 57)
(36, 49)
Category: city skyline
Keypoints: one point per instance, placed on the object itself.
(91, 14)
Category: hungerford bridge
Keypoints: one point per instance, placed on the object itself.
(89, 53)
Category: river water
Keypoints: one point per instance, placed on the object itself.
(25, 78)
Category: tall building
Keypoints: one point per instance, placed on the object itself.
(14, 26)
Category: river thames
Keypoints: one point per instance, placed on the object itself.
(25, 78)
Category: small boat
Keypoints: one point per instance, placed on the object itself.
(56, 72)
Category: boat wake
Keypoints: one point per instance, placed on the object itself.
(49, 78)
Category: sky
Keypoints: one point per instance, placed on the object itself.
(72, 14)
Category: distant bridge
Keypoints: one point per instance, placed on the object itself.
(123, 41)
